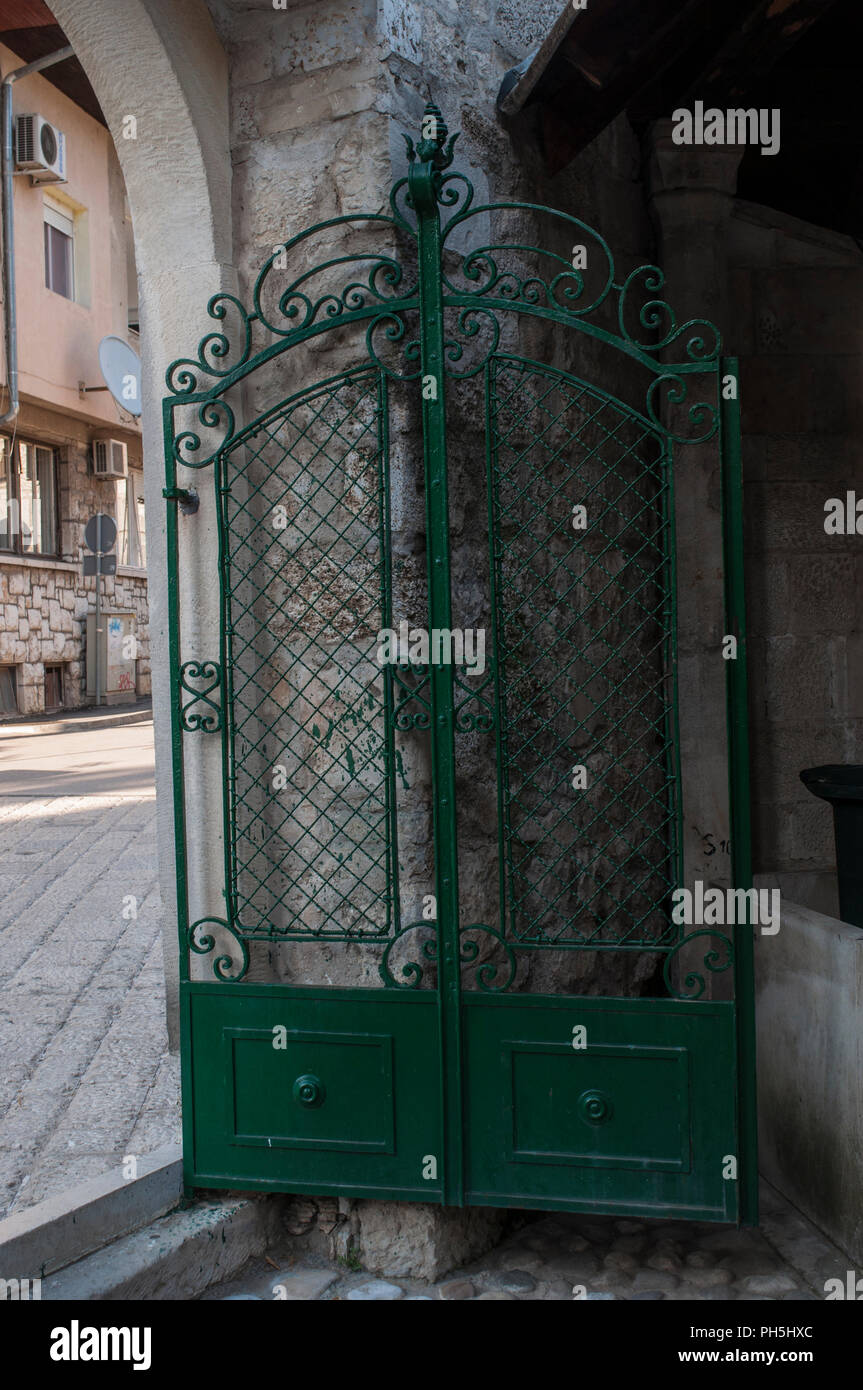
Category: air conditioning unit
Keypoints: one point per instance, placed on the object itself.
(41, 148)
(110, 458)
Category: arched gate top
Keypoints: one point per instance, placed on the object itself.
(292, 302)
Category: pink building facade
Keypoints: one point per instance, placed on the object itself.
(75, 283)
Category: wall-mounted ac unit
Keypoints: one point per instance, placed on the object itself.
(110, 458)
(41, 148)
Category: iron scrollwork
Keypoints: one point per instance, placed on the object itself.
(226, 966)
(372, 288)
(412, 971)
(474, 712)
(487, 971)
(714, 961)
(200, 679)
(410, 692)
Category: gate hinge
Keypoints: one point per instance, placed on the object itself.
(186, 496)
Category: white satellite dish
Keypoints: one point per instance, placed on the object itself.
(121, 368)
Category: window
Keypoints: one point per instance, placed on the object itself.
(28, 498)
(131, 527)
(59, 252)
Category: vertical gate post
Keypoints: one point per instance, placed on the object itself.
(691, 197)
(738, 781)
(424, 184)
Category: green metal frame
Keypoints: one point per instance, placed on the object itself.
(738, 778)
(354, 896)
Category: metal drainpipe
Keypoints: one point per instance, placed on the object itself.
(9, 303)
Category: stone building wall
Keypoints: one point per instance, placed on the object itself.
(797, 291)
(44, 601)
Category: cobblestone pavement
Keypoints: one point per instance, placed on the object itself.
(563, 1257)
(86, 1074)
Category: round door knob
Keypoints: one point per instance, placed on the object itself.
(309, 1091)
(595, 1107)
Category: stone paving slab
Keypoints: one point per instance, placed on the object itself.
(569, 1258)
(86, 1076)
(114, 761)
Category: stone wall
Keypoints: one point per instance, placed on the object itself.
(797, 291)
(45, 624)
(809, 982)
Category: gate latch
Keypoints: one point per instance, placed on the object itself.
(187, 497)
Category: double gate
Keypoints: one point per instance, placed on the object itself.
(425, 873)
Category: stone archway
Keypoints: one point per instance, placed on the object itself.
(164, 65)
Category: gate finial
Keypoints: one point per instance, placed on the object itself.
(433, 146)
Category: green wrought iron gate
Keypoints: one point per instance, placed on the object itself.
(554, 1039)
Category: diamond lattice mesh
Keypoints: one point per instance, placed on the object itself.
(584, 653)
(310, 787)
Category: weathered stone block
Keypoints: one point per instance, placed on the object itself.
(768, 607)
(809, 981)
(812, 457)
(251, 62)
(795, 391)
(824, 593)
(792, 517)
(825, 325)
(812, 842)
(31, 699)
(752, 244)
(423, 1242)
(321, 36)
(772, 842)
(346, 88)
(780, 751)
(741, 297)
(794, 679)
